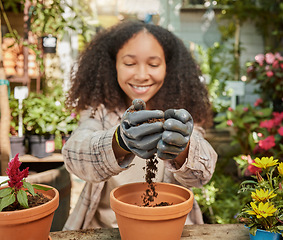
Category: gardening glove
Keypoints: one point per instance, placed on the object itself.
(134, 135)
(178, 127)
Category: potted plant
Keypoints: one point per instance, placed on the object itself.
(41, 116)
(263, 213)
(26, 210)
(17, 142)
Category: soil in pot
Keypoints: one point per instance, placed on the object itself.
(33, 201)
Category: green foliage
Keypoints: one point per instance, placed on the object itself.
(211, 61)
(49, 17)
(15, 111)
(244, 123)
(267, 16)
(45, 115)
(219, 200)
(41, 114)
(13, 5)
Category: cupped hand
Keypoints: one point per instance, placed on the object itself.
(141, 129)
(178, 127)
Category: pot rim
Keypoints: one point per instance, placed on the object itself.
(31, 214)
(152, 213)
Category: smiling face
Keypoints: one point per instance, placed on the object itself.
(141, 67)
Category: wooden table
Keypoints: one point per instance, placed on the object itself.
(193, 232)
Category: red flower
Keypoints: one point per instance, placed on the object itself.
(278, 117)
(269, 73)
(269, 58)
(259, 59)
(269, 124)
(275, 64)
(280, 131)
(278, 56)
(251, 170)
(229, 122)
(258, 102)
(15, 175)
(267, 143)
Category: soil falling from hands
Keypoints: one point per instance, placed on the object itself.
(150, 193)
(151, 170)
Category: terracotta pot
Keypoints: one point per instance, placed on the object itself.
(151, 223)
(30, 224)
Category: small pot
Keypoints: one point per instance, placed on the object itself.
(264, 235)
(138, 222)
(41, 146)
(31, 223)
(17, 145)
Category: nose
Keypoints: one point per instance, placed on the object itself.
(142, 73)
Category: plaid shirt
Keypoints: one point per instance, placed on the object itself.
(89, 155)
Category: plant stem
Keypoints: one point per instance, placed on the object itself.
(6, 19)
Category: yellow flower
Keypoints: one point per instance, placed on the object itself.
(280, 168)
(265, 162)
(262, 210)
(262, 195)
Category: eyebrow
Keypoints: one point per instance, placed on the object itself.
(133, 56)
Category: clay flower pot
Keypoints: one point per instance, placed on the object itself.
(31, 223)
(163, 222)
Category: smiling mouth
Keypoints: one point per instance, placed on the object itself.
(140, 88)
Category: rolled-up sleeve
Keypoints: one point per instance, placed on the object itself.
(199, 165)
(89, 153)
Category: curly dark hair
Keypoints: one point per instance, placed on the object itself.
(95, 80)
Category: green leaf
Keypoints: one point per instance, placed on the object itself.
(4, 182)
(220, 118)
(249, 119)
(29, 187)
(221, 125)
(251, 141)
(6, 201)
(253, 230)
(22, 198)
(40, 187)
(4, 192)
(248, 181)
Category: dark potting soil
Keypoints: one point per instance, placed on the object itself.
(33, 201)
(150, 193)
